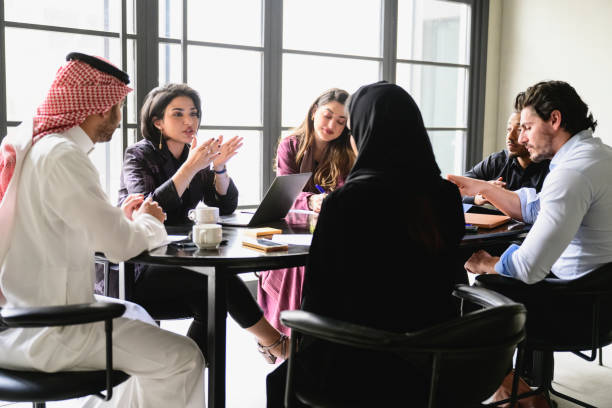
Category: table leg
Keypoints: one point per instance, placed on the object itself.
(217, 311)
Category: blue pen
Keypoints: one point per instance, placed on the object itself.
(320, 189)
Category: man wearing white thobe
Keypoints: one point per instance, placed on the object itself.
(56, 216)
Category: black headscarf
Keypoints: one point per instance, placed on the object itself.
(390, 135)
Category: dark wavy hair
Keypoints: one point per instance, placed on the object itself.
(547, 96)
(155, 104)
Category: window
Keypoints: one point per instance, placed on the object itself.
(433, 66)
(224, 65)
(38, 36)
(257, 65)
(316, 57)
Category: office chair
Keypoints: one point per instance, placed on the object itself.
(583, 308)
(108, 275)
(108, 283)
(38, 387)
(465, 358)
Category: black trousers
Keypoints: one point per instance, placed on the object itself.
(548, 319)
(168, 292)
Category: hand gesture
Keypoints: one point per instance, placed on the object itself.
(479, 199)
(315, 201)
(200, 156)
(131, 203)
(481, 263)
(152, 208)
(227, 151)
(468, 186)
(498, 183)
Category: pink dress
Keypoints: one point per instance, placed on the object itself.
(281, 289)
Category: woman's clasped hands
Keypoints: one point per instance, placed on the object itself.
(212, 151)
(227, 150)
(136, 204)
(201, 155)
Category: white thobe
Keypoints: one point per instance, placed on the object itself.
(63, 216)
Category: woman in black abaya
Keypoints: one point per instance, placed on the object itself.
(382, 255)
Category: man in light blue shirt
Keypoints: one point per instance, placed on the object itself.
(572, 216)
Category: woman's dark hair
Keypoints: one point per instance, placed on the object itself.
(156, 102)
(547, 96)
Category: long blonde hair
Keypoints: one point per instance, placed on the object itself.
(339, 156)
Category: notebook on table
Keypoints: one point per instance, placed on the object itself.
(275, 205)
(486, 220)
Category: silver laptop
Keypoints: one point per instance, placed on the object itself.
(275, 205)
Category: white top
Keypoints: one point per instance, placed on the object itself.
(62, 217)
(572, 234)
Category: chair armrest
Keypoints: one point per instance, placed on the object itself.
(64, 315)
(481, 296)
(337, 331)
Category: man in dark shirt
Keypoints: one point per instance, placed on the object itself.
(511, 168)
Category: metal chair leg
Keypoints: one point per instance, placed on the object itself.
(600, 356)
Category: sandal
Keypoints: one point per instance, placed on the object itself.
(267, 354)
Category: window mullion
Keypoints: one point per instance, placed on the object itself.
(147, 50)
(389, 39)
(184, 43)
(476, 82)
(124, 57)
(272, 87)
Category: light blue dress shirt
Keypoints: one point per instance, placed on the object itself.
(572, 216)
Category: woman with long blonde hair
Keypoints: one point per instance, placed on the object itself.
(321, 145)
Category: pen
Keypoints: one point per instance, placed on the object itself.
(320, 189)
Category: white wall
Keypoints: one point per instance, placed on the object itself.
(491, 130)
(534, 40)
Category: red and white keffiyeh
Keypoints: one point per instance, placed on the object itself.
(78, 91)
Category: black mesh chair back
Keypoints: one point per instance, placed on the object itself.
(466, 358)
(39, 387)
(564, 315)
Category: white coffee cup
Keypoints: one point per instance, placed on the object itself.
(203, 214)
(207, 236)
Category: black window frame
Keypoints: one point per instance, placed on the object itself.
(148, 40)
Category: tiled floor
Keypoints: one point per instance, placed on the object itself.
(246, 373)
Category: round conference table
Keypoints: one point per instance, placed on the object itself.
(232, 258)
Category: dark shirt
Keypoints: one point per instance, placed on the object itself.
(500, 164)
(146, 169)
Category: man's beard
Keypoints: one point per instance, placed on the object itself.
(105, 131)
